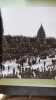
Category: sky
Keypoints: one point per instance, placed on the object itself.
(27, 20)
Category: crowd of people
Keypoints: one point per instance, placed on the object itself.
(29, 67)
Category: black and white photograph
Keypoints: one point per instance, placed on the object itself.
(28, 42)
(28, 51)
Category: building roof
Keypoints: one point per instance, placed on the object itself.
(41, 32)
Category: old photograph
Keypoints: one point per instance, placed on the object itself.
(28, 38)
(27, 49)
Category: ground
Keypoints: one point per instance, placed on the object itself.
(29, 82)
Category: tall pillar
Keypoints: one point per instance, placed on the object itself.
(1, 34)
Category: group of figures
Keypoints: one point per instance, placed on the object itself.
(29, 67)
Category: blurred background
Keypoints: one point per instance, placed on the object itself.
(27, 2)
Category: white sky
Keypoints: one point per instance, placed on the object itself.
(27, 20)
